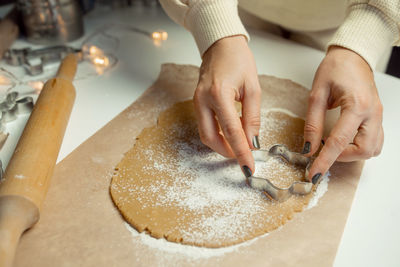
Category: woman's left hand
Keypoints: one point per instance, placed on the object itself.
(343, 79)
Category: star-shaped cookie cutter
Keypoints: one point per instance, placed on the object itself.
(272, 191)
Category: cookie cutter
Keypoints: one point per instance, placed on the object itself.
(11, 107)
(34, 60)
(272, 191)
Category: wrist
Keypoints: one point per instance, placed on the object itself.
(345, 55)
(230, 42)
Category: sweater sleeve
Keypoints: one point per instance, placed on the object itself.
(370, 28)
(207, 20)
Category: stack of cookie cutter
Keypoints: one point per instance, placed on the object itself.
(10, 108)
(272, 191)
(34, 60)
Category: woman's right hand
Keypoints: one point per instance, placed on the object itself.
(228, 74)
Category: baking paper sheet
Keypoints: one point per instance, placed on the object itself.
(80, 226)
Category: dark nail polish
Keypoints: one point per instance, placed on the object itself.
(316, 178)
(246, 171)
(322, 142)
(256, 143)
(306, 148)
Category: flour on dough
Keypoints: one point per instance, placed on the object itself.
(172, 186)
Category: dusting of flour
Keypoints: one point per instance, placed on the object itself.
(194, 252)
(320, 191)
(191, 252)
(236, 201)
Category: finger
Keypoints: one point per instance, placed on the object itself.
(314, 124)
(209, 131)
(364, 144)
(233, 132)
(341, 135)
(251, 114)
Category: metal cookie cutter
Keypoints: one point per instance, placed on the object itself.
(35, 60)
(272, 191)
(11, 107)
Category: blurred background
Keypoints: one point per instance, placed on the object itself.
(57, 22)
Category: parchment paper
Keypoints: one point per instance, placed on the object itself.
(80, 226)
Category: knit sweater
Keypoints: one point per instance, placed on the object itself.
(365, 27)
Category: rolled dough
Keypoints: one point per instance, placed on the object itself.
(172, 186)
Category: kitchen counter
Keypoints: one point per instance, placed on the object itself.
(372, 234)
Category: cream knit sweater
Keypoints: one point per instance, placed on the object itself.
(366, 27)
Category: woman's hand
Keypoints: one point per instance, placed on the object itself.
(228, 74)
(343, 79)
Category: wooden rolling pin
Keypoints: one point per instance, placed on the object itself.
(30, 169)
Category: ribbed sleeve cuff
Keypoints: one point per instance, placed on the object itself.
(366, 31)
(209, 21)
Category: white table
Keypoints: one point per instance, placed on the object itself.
(372, 233)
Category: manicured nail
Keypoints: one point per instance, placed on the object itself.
(256, 143)
(316, 177)
(322, 142)
(306, 148)
(246, 171)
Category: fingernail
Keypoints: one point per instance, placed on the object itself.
(246, 171)
(322, 142)
(315, 178)
(306, 148)
(256, 143)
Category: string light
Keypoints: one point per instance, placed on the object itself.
(159, 36)
(97, 57)
(94, 50)
(101, 61)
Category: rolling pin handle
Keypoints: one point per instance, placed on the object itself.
(17, 214)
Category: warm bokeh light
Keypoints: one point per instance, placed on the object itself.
(36, 85)
(97, 57)
(156, 36)
(101, 61)
(94, 50)
(164, 36)
(5, 80)
(159, 36)
(6, 84)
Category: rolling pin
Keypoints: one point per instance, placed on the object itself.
(27, 177)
